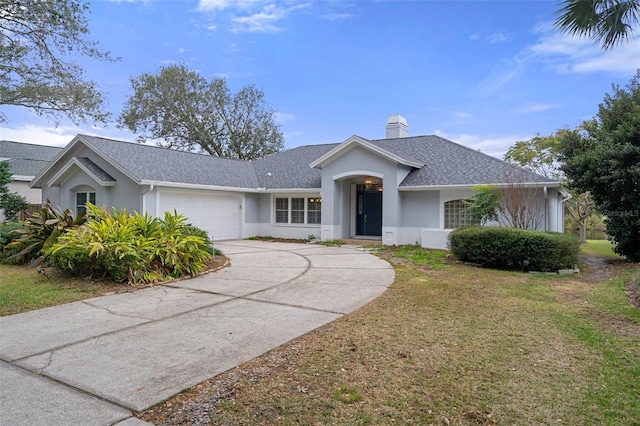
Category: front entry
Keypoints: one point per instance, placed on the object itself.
(369, 211)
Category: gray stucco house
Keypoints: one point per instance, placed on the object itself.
(401, 189)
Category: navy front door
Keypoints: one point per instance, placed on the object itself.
(369, 212)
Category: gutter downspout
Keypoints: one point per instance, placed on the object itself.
(567, 197)
(142, 194)
(546, 208)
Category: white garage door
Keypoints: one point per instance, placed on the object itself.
(219, 214)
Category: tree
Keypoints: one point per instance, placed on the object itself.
(37, 40)
(11, 203)
(484, 205)
(188, 112)
(520, 206)
(607, 22)
(540, 155)
(603, 157)
(580, 207)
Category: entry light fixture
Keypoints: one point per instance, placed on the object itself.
(368, 180)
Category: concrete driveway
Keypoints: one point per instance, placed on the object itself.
(96, 361)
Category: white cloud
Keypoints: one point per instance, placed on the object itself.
(496, 146)
(248, 15)
(567, 54)
(39, 135)
(58, 136)
(183, 50)
(463, 115)
(281, 117)
(336, 16)
(528, 108)
(500, 76)
(496, 38)
(212, 5)
(264, 21)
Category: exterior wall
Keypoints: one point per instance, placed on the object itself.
(419, 210)
(263, 217)
(125, 194)
(251, 209)
(336, 193)
(33, 195)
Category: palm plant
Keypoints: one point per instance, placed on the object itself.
(608, 22)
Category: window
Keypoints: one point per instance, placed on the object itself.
(298, 210)
(456, 214)
(82, 198)
(282, 210)
(314, 210)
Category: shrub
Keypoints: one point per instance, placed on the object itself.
(40, 231)
(508, 248)
(7, 236)
(132, 248)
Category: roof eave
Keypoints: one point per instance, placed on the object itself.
(471, 185)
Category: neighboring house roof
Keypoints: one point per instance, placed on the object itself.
(437, 162)
(27, 160)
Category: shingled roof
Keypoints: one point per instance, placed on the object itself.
(26, 160)
(446, 163)
(146, 163)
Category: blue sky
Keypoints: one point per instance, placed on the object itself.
(481, 73)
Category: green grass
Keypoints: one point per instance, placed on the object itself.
(23, 289)
(601, 248)
(447, 344)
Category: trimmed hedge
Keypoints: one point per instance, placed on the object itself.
(516, 249)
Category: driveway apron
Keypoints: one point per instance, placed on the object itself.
(96, 361)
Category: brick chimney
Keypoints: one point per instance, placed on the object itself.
(397, 127)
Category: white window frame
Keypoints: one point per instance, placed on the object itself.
(290, 209)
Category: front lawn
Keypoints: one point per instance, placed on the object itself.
(24, 289)
(601, 248)
(446, 344)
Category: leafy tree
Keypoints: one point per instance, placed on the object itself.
(37, 42)
(484, 205)
(11, 203)
(607, 22)
(603, 157)
(538, 154)
(188, 112)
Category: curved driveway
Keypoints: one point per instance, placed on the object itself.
(95, 361)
